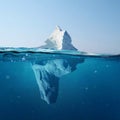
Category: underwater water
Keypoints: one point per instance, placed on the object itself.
(88, 90)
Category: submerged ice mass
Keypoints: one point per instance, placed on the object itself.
(48, 75)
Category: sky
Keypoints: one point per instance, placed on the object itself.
(94, 25)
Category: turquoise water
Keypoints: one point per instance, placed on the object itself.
(90, 92)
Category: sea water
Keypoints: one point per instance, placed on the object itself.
(90, 92)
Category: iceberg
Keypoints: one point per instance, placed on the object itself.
(49, 72)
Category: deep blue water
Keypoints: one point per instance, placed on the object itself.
(91, 92)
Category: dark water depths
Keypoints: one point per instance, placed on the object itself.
(91, 92)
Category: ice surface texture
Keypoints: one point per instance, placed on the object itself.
(59, 40)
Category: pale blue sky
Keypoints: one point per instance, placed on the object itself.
(94, 25)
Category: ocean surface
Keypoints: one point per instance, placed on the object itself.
(90, 92)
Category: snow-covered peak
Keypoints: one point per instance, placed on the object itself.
(57, 28)
(59, 40)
